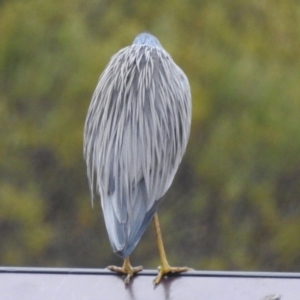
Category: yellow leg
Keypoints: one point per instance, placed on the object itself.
(164, 268)
(126, 269)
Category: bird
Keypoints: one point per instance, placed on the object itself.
(135, 135)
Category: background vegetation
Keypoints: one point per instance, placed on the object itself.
(234, 204)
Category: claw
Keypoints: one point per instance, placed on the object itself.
(126, 269)
(165, 270)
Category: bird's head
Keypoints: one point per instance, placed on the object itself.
(147, 39)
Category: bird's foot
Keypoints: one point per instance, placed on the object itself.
(165, 270)
(126, 269)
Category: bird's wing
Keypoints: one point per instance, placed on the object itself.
(135, 136)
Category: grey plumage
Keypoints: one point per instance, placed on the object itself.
(135, 135)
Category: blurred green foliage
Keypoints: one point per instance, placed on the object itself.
(235, 201)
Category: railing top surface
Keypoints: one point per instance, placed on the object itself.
(76, 283)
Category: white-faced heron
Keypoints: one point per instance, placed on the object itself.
(135, 135)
